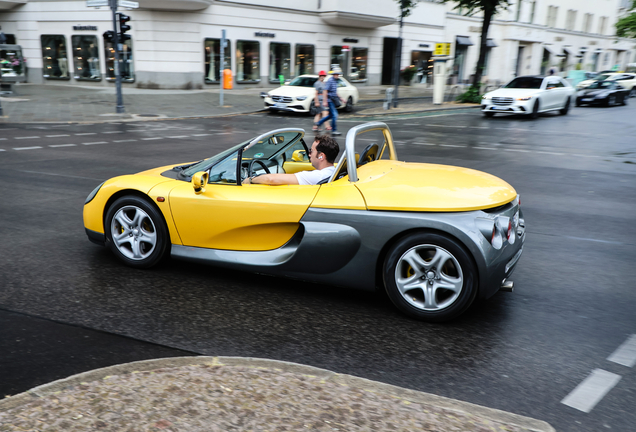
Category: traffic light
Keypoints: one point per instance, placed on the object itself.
(123, 27)
(109, 36)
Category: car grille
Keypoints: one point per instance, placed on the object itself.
(284, 99)
(502, 100)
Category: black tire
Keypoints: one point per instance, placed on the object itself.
(349, 106)
(578, 103)
(457, 267)
(489, 114)
(535, 110)
(632, 93)
(273, 111)
(625, 100)
(566, 108)
(611, 100)
(143, 237)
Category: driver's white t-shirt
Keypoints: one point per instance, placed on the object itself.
(313, 177)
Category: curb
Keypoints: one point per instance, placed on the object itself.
(289, 367)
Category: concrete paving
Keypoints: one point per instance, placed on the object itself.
(241, 394)
(31, 103)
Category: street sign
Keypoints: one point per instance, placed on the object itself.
(442, 49)
(97, 3)
(128, 4)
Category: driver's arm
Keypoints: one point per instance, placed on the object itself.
(273, 179)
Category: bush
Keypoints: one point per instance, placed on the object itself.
(472, 95)
(408, 73)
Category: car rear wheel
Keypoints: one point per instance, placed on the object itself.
(430, 277)
(625, 100)
(566, 107)
(611, 100)
(136, 232)
(349, 105)
(632, 93)
(535, 110)
(489, 114)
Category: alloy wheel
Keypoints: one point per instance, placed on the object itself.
(133, 233)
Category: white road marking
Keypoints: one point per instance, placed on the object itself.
(62, 145)
(223, 133)
(593, 388)
(27, 148)
(552, 153)
(411, 124)
(111, 132)
(486, 148)
(427, 144)
(57, 136)
(3, 139)
(2, 150)
(154, 138)
(198, 135)
(29, 137)
(451, 145)
(582, 155)
(121, 141)
(86, 133)
(518, 150)
(625, 354)
(179, 136)
(97, 142)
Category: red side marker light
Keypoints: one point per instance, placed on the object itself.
(161, 199)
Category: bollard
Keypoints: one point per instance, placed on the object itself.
(388, 99)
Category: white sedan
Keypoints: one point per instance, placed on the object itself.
(299, 94)
(529, 95)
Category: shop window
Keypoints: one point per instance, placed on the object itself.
(86, 58)
(12, 64)
(54, 57)
(423, 63)
(339, 58)
(8, 39)
(279, 61)
(304, 60)
(248, 61)
(358, 71)
(126, 65)
(213, 59)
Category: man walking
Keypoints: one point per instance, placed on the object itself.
(332, 100)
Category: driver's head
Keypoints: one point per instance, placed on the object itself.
(328, 146)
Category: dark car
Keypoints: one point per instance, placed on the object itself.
(602, 93)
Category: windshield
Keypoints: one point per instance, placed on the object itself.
(303, 82)
(525, 83)
(601, 85)
(207, 163)
(602, 77)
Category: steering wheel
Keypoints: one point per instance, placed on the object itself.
(250, 168)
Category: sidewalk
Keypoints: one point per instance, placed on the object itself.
(31, 103)
(241, 394)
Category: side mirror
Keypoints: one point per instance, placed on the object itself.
(199, 180)
(299, 156)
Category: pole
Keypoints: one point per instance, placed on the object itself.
(221, 65)
(396, 65)
(120, 101)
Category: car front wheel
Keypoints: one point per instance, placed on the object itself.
(349, 105)
(430, 277)
(535, 110)
(136, 232)
(566, 107)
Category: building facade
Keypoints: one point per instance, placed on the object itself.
(177, 43)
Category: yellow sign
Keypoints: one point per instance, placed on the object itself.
(442, 49)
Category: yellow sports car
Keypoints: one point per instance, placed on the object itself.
(434, 236)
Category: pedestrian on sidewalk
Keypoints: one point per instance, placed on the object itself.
(331, 100)
(319, 107)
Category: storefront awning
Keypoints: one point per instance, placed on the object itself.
(570, 51)
(358, 20)
(550, 49)
(491, 43)
(174, 5)
(463, 40)
(10, 4)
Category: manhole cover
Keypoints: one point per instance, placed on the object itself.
(147, 115)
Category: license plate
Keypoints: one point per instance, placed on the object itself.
(587, 100)
(280, 105)
(500, 108)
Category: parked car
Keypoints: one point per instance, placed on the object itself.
(298, 95)
(435, 237)
(529, 95)
(603, 93)
(626, 80)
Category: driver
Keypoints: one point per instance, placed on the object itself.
(322, 155)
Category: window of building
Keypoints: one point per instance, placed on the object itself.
(570, 22)
(11, 64)
(126, 66)
(602, 24)
(54, 57)
(304, 60)
(533, 8)
(358, 71)
(279, 61)
(248, 61)
(587, 22)
(86, 58)
(519, 5)
(8, 39)
(423, 63)
(339, 58)
(212, 53)
(552, 16)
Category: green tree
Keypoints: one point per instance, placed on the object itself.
(488, 8)
(626, 26)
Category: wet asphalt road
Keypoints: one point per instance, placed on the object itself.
(573, 306)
